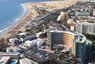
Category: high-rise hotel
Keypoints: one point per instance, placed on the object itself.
(77, 44)
(60, 37)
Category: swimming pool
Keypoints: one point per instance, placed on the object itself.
(13, 62)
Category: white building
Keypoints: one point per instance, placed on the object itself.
(13, 40)
(27, 61)
(90, 0)
(82, 14)
(85, 28)
(38, 34)
(36, 42)
(62, 16)
(13, 49)
(93, 12)
(10, 54)
(23, 33)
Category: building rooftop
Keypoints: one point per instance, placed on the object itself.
(4, 60)
(62, 32)
(38, 55)
(80, 38)
(3, 43)
(13, 47)
(27, 61)
(8, 53)
(47, 49)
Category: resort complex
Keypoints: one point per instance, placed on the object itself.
(55, 32)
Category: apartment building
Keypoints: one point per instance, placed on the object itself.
(85, 28)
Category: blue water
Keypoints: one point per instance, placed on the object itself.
(11, 11)
(13, 63)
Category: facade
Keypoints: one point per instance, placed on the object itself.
(82, 14)
(82, 46)
(13, 49)
(68, 38)
(55, 38)
(33, 43)
(11, 55)
(60, 37)
(85, 28)
(31, 37)
(93, 12)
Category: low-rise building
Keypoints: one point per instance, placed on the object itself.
(82, 14)
(14, 41)
(10, 54)
(4, 60)
(33, 43)
(3, 43)
(93, 12)
(27, 61)
(31, 37)
(13, 49)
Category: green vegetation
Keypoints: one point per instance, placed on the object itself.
(43, 35)
(93, 45)
(51, 61)
(90, 36)
(61, 54)
(53, 18)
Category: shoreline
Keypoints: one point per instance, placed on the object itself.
(16, 19)
(32, 14)
(6, 33)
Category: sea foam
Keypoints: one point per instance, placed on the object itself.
(15, 20)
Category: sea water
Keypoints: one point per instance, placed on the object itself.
(12, 11)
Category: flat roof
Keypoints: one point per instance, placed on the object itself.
(9, 53)
(13, 47)
(62, 32)
(4, 59)
(79, 37)
(4, 43)
(27, 61)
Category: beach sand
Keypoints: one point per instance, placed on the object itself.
(35, 10)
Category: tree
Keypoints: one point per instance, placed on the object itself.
(43, 35)
(51, 61)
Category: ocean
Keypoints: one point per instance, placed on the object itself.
(12, 11)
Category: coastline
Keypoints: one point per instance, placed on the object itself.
(6, 34)
(32, 13)
(16, 20)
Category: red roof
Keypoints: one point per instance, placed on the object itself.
(63, 50)
(3, 43)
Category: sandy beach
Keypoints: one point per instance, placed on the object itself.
(35, 10)
(20, 26)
